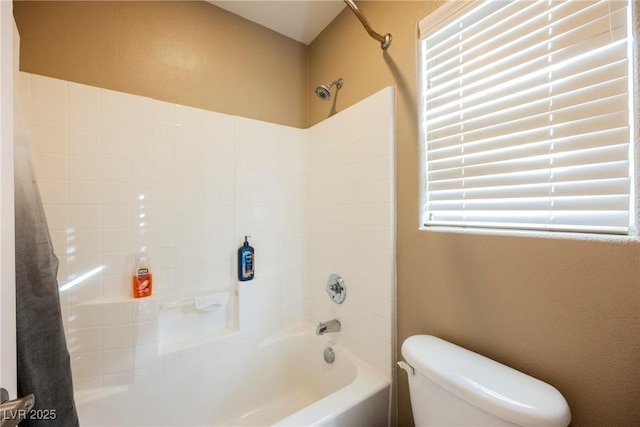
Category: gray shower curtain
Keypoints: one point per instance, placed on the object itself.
(43, 359)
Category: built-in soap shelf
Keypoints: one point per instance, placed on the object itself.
(142, 331)
(195, 319)
(204, 302)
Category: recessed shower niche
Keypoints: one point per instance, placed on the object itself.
(195, 320)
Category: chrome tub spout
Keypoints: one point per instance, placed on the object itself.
(328, 326)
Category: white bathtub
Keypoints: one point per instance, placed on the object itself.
(284, 381)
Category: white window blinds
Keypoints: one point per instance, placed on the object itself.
(526, 117)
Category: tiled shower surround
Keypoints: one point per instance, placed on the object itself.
(118, 171)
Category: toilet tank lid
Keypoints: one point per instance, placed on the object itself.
(485, 383)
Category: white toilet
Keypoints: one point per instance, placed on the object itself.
(452, 386)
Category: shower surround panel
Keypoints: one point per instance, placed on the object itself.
(118, 171)
(350, 226)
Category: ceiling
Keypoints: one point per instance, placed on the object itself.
(301, 20)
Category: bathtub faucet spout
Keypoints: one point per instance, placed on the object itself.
(328, 326)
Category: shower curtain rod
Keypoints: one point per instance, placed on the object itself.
(385, 40)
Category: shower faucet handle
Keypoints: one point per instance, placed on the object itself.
(336, 288)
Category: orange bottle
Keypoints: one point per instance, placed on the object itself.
(142, 277)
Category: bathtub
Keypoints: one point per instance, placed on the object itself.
(282, 381)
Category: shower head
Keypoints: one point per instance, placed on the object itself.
(324, 91)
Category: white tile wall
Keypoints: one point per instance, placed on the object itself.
(118, 171)
(350, 226)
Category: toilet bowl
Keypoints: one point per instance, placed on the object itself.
(452, 386)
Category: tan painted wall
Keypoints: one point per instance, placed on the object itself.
(565, 311)
(186, 52)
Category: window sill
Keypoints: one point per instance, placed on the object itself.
(623, 239)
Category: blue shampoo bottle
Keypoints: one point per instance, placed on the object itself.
(246, 261)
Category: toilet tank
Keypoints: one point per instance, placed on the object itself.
(453, 386)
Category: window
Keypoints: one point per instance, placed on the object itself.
(526, 116)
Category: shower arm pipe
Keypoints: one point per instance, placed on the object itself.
(385, 40)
